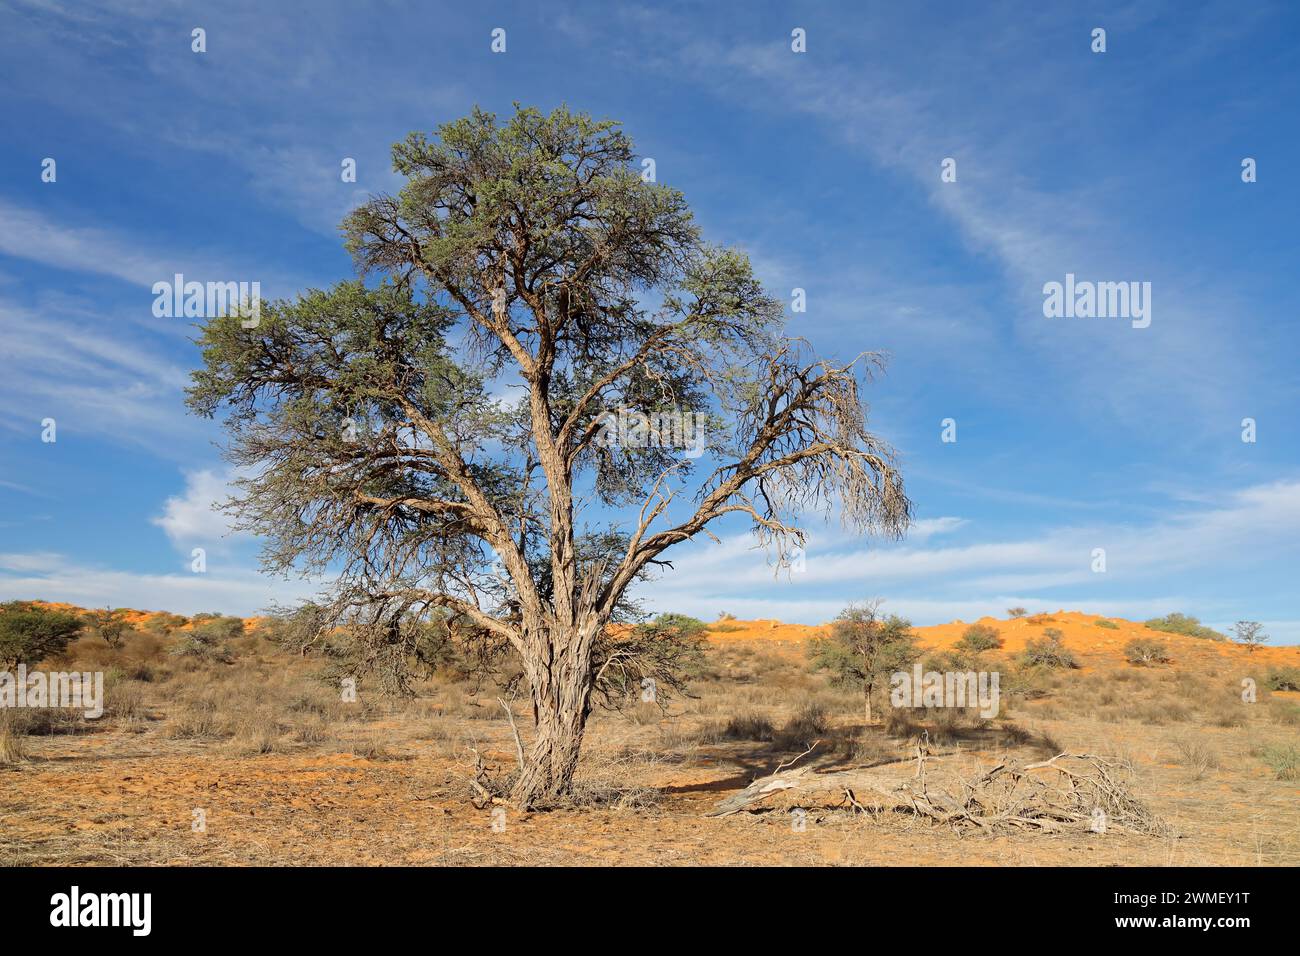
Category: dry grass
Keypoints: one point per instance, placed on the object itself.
(293, 773)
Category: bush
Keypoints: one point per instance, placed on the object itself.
(1109, 625)
(1283, 760)
(748, 727)
(1016, 612)
(1197, 756)
(1144, 651)
(162, 624)
(980, 637)
(1283, 678)
(1048, 651)
(109, 624)
(206, 639)
(1184, 624)
(808, 724)
(30, 633)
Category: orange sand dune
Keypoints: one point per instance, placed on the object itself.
(134, 618)
(1094, 645)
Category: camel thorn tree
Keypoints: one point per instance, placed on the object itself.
(439, 437)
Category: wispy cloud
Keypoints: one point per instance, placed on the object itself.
(1255, 527)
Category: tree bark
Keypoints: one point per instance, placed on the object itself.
(561, 681)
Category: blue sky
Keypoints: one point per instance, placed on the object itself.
(1072, 434)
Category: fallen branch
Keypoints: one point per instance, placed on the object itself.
(1067, 792)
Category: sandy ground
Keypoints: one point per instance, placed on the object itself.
(128, 795)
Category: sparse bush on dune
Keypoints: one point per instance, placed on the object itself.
(1283, 678)
(1016, 612)
(1048, 651)
(109, 624)
(1176, 623)
(1145, 651)
(1109, 625)
(206, 642)
(980, 637)
(162, 624)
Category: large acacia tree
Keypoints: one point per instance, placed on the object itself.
(439, 435)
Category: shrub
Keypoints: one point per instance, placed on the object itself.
(163, 623)
(1109, 625)
(109, 624)
(1184, 624)
(30, 633)
(1197, 756)
(1016, 612)
(12, 750)
(980, 637)
(748, 727)
(1144, 651)
(1283, 678)
(808, 724)
(1048, 651)
(1283, 760)
(206, 640)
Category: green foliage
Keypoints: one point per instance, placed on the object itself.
(207, 638)
(980, 637)
(163, 624)
(1144, 651)
(1109, 625)
(657, 660)
(109, 624)
(1048, 651)
(686, 625)
(29, 633)
(863, 649)
(1283, 760)
(1176, 623)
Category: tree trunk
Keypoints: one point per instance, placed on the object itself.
(561, 683)
(868, 699)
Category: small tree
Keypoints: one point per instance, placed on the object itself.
(1016, 612)
(30, 633)
(863, 649)
(1250, 633)
(109, 624)
(980, 637)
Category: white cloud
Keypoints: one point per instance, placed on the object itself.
(1252, 528)
(192, 519)
(229, 590)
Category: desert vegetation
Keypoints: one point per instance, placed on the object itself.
(257, 729)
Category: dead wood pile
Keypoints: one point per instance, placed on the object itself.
(1068, 792)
